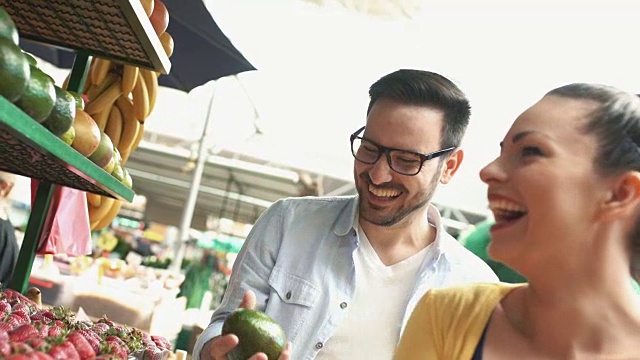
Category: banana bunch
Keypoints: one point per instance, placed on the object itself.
(120, 98)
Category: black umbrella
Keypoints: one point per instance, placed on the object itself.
(202, 51)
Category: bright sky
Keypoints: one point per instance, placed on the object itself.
(315, 66)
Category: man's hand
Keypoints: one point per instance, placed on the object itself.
(218, 347)
(283, 355)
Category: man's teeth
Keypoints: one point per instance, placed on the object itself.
(383, 192)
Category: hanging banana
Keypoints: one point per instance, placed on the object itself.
(120, 99)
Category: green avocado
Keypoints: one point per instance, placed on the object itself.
(69, 136)
(14, 70)
(257, 332)
(127, 181)
(118, 171)
(38, 98)
(8, 28)
(32, 61)
(63, 113)
(79, 100)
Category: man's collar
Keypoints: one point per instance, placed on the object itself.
(348, 221)
(347, 218)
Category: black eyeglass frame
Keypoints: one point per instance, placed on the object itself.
(387, 151)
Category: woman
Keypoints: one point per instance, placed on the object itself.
(565, 193)
(8, 243)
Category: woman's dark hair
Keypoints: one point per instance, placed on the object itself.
(425, 88)
(616, 124)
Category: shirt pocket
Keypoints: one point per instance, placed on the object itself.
(291, 301)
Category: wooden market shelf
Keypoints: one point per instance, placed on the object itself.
(118, 30)
(29, 149)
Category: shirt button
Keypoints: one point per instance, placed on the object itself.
(343, 305)
(319, 345)
(288, 296)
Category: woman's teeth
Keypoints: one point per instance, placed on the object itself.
(505, 210)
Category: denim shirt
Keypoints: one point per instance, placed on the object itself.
(298, 259)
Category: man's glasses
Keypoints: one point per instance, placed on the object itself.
(401, 161)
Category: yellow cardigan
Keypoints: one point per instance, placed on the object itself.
(447, 323)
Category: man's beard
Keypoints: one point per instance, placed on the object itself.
(370, 215)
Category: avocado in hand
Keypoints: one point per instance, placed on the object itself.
(257, 332)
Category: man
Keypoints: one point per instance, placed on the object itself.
(342, 274)
(8, 242)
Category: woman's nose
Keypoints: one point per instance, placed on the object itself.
(492, 172)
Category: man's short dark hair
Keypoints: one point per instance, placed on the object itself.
(429, 89)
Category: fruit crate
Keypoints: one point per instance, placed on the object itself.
(118, 30)
(29, 149)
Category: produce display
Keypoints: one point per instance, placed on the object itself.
(106, 122)
(58, 110)
(256, 332)
(28, 331)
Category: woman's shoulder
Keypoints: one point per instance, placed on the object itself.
(469, 295)
(448, 322)
(478, 288)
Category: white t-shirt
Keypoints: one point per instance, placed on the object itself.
(371, 328)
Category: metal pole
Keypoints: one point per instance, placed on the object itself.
(187, 214)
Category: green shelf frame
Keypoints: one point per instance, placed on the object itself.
(29, 149)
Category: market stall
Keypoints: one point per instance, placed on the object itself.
(64, 137)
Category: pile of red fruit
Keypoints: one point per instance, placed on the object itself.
(30, 332)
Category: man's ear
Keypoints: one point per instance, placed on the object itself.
(624, 196)
(451, 165)
(5, 188)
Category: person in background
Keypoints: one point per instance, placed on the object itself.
(565, 195)
(141, 245)
(198, 278)
(342, 274)
(8, 242)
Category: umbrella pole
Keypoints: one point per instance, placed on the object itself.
(187, 213)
